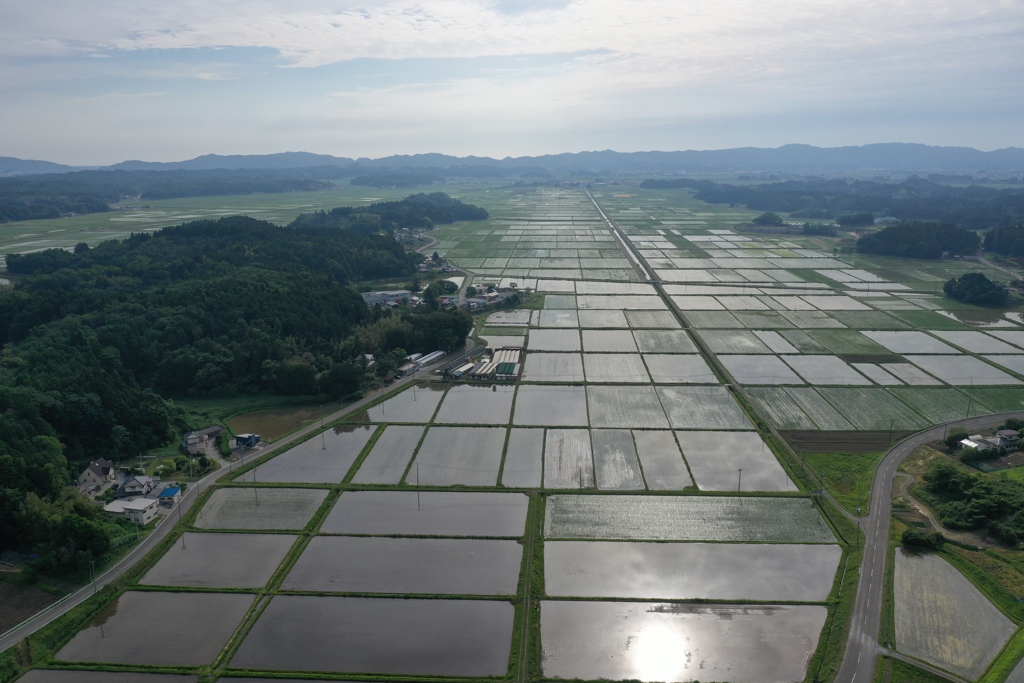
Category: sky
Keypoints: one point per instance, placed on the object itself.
(102, 81)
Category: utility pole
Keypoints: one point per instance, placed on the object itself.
(92, 570)
(739, 479)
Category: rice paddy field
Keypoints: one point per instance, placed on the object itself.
(582, 522)
(943, 619)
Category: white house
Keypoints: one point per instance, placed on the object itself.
(141, 510)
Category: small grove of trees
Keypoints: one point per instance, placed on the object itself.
(975, 288)
(974, 502)
(923, 539)
(768, 218)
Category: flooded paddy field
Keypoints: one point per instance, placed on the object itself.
(266, 509)
(193, 627)
(679, 369)
(558, 319)
(754, 369)
(733, 341)
(664, 320)
(488, 404)
(702, 408)
(524, 460)
(221, 561)
(685, 518)
(663, 465)
(320, 460)
(452, 566)
(825, 370)
(910, 342)
(416, 404)
(664, 341)
(380, 635)
(553, 367)
(62, 676)
(687, 571)
(568, 459)
(943, 619)
(430, 513)
(717, 458)
(603, 319)
(390, 455)
(554, 340)
(1014, 364)
(615, 367)
(625, 407)
(470, 456)
(678, 642)
(608, 341)
(553, 406)
(615, 461)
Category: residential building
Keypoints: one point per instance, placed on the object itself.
(141, 511)
(196, 442)
(99, 472)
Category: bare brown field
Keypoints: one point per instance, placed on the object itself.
(841, 442)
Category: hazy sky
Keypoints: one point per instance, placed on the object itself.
(106, 80)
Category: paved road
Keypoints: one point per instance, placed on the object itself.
(165, 525)
(862, 646)
(981, 259)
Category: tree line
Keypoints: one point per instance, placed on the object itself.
(98, 342)
(53, 195)
(973, 207)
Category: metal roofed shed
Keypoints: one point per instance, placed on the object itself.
(507, 372)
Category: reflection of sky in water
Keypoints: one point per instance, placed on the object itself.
(664, 642)
(982, 318)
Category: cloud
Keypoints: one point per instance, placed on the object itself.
(509, 73)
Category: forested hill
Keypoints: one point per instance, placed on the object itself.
(919, 239)
(973, 207)
(56, 194)
(94, 342)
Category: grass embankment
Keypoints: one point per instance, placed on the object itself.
(896, 671)
(1007, 660)
(847, 476)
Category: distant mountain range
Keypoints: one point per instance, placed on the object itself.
(889, 157)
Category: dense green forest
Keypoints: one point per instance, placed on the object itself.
(1006, 241)
(975, 288)
(56, 194)
(96, 342)
(968, 501)
(919, 239)
(973, 207)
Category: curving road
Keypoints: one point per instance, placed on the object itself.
(862, 646)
